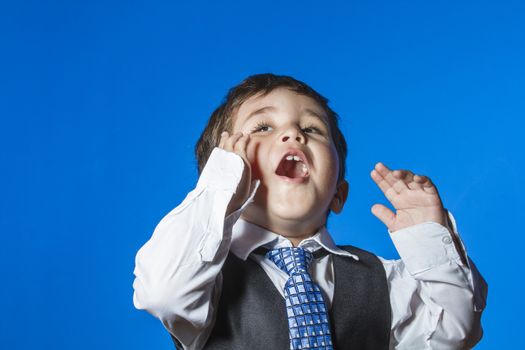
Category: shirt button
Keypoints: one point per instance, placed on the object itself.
(446, 239)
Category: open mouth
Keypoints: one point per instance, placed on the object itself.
(293, 166)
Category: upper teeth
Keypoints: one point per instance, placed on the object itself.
(296, 158)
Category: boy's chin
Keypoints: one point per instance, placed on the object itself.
(287, 220)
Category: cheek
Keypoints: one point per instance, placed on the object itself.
(331, 164)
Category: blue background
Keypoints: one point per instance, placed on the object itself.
(101, 103)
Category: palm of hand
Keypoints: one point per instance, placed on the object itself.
(414, 198)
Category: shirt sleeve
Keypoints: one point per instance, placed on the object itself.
(177, 271)
(436, 293)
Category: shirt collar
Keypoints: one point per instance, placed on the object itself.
(246, 237)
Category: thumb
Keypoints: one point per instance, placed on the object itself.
(384, 214)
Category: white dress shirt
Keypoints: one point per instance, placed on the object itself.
(436, 293)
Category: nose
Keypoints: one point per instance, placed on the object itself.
(293, 133)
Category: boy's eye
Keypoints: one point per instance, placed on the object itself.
(312, 129)
(261, 127)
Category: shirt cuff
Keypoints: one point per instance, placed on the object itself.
(233, 217)
(424, 246)
(223, 171)
(460, 246)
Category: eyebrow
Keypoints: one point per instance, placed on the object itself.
(261, 111)
(307, 111)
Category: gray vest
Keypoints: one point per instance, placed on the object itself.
(251, 313)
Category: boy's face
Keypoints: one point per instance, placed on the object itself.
(292, 152)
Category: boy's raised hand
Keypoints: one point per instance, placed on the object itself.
(414, 197)
(237, 143)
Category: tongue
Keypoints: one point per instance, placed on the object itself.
(292, 169)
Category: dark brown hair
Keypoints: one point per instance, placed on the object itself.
(222, 118)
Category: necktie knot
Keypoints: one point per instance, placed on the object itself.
(292, 260)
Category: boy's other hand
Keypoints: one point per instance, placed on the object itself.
(237, 143)
(414, 197)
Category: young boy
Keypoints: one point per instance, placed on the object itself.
(246, 261)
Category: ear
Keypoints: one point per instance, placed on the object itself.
(340, 196)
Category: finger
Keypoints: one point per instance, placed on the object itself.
(382, 169)
(398, 180)
(241, 145)
(420, 178)
(230, 142)
(385, 187)
(409, 178)
(392, 177)
(428, 186)
(424, 181)
(386, 173)
(222, 141)
(384, 214)
(404, 175)
(414, 185)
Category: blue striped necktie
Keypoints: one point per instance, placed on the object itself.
(307, 315)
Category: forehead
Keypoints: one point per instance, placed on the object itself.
(282, 99)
